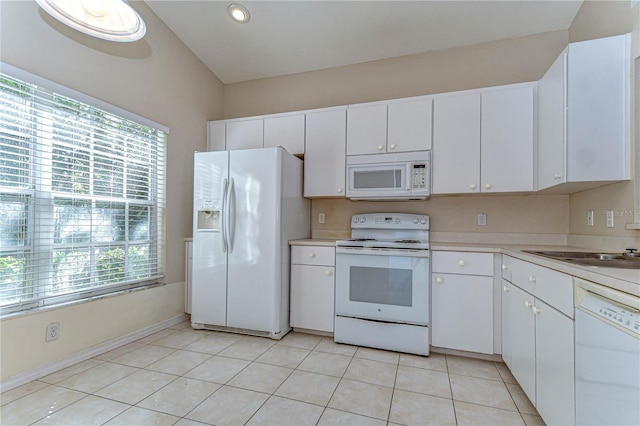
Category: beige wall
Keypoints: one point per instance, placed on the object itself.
(157, 78)
(487, 64)
(514, 214)
(594, 20)
(482, 65)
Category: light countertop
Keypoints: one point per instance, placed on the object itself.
(626, 280)
(313, 242)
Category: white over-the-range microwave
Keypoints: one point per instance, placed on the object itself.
(394, 176)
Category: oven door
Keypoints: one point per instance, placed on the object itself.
(383, 285)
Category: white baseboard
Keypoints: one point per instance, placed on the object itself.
(46, 369)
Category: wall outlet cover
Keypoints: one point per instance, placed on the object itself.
(320, 217)
(482, 219)
(590, 218)
(53, 331)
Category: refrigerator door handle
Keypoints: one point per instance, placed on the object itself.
(231, 215)
(223, 228)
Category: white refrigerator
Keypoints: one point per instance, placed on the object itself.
(248, 204)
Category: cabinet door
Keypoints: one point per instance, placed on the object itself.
(187, 276)
(456, 144)
(462, 312)
(367, 130)
(597, 108)
(555, 389)
(409, 126)
(287, 132)
(324, 157)
(551, 125)
(506, 142)
(506, 323)
(312, 297)
(522, 335)
(216, 136)
(244, 134)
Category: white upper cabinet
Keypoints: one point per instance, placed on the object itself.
(367, 129)
(551, 125)
(324, 158)
(286, 131)
(400, 126)
(584, 116)
(483, 141)
(409, 125)
(456, 144)
(506, 139)
(246, 134)
(216, 136)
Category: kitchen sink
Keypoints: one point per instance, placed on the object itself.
(611, 260)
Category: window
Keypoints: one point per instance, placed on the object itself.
(81, 198)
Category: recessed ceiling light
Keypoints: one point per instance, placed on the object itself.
(239, 13)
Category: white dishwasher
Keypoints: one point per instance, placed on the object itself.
(607, 355)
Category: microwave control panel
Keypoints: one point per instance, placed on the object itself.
(419, 176)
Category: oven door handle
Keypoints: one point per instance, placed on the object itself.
(382, 252)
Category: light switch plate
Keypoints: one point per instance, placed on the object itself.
(609, 218)
(590, 218)
(482, 219)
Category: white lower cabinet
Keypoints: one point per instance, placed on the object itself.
(312, 288)
(537, 338)
(462, 313)
(462, 301)
(188, 259)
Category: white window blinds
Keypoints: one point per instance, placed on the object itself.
(81, 199)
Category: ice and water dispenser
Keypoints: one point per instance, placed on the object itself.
(209, 218)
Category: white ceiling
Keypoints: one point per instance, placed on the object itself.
(288, 37)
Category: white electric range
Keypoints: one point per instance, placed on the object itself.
(383, 284)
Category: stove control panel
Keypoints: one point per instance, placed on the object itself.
(390, 221)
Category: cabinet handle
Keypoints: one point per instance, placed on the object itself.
(535, 310)
(328, 273)
(438, 280)
(380, 147)
(339, 190)
(392, 146)
(528, 304)
(312, 255)
(473, 186)
(504, 267)
(461, 262)
(532, 279)
(505, 289)
(487, 185)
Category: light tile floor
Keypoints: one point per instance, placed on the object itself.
(186, 377)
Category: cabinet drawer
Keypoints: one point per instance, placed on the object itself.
(553, 287)
(454, 262)
(313, 255)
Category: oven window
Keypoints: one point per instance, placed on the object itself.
(377, 179)
(385, 286)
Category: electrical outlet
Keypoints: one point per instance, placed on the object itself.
(590, 218)
(53, 331)
(482, 219)
(609, 218)
(320, 217)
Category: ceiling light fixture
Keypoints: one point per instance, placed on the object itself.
(239, 13)
(112, 20)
